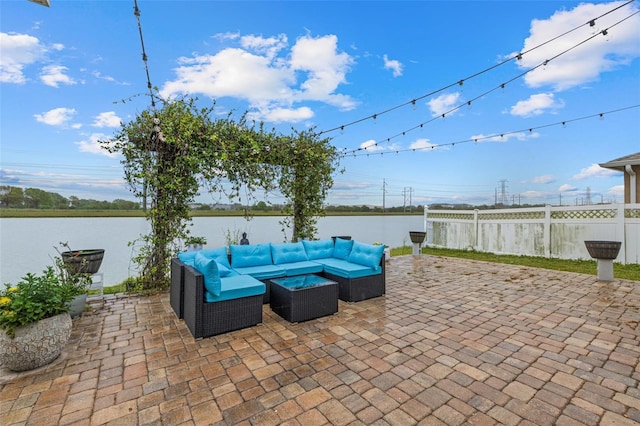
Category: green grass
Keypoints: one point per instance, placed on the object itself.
(114, 289)
(629, 271)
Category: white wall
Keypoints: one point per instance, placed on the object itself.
(541, 231)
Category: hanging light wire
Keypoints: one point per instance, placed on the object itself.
(496, 135)
(460, 82)
(500, 86)
(136, 12)
(156, 134)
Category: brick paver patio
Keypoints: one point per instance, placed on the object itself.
(452, 342)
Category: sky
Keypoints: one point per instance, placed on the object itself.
(427, 101)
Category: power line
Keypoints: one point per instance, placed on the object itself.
(460, 82)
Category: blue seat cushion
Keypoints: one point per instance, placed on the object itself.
(236, 287)
(342, 248)
(318, 249)
(250, 255)
(263, 272)
(288, 253)
(301, 268)
(346, 269)
(209, 269)
(366, 254)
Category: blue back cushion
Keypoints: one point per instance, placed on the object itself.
(366, 254)
(219, 254)
(250, 255)
(209, 268)
(319, 249)
(187, 257)
(342, 248)
(288, 253)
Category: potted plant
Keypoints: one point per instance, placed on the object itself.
(35, 324)
(75, 271)
(195, 243)
(86, 261)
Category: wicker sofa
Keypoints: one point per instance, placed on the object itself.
(358, 268)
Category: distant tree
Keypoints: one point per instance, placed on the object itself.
(74, 202)
(12, 197)
(38, 199)
(260, 206)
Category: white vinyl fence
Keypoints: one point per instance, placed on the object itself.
(548, 231)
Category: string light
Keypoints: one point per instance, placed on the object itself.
(518, 56)
(502, 85)
(475, 140)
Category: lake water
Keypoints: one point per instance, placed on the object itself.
(28, 244)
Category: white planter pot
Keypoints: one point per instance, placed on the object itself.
(76, 307)
(35, 345)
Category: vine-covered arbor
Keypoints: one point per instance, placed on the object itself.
(171, 153)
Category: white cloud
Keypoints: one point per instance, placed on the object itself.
(536, 105)
(586, 62)
(52, 75)
(393, 65)
(267, 75)
(282, 115)
(371, 146)
(326, 69)
(544, 179)
(227, 36)
(57, 117)
(267, 46)
(93, 147)
(616, 192)
(18, 52)
(567, 188)
(521, 136)
(444, 103)
(596, 171)
(422, 143)
(106, 119)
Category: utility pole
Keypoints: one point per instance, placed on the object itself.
(503, 192)
(384, 193)
(405, 191)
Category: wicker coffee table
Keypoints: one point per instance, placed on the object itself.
(303, 297)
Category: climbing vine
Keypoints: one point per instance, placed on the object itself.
(171, 153)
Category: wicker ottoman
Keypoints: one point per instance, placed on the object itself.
(303, 297)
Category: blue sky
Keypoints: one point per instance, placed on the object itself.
(65, 69)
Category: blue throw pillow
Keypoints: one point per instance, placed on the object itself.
(246, 256)
(366, 254)
(288, 253)
(219, 254)
(342, 248)
(319, 249)
(209, 268)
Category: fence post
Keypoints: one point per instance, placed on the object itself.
(476, 229)
(547, 231)
(620, 230)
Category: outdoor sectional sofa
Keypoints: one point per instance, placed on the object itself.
(216, 291)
